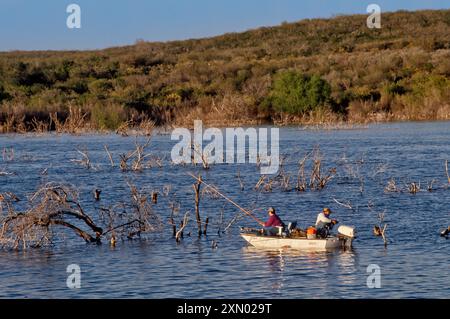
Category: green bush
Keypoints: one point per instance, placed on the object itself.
(107, 116)
(297, 93)
(394, 89)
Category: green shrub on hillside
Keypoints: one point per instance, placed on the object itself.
(295, 93)
(107, 117)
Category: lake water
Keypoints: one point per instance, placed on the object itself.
(414, 264)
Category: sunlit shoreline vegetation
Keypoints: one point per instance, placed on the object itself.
(310, 72)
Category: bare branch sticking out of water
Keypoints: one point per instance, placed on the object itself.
(220, 224)
(241, 183)
(347, 205)
(4, 172)
(179, 233)
(84, 161)
(380, 229)
(301, 180)
(235, 219)
(446, 171)
(430, 185)
(197, 149)
(109, 155)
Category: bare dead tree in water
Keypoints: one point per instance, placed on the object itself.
(241, 183)
(196, 187)
(220, 224)
(317, 180)
(138, 157)
(57, 206)
(430, 185)
(197, 150)
(380, 229)
(142, 212)
(179, 233)
(260, 182)
(301, 179)
(414, 187)
(446, 171)
(52, 205)
(283, 178)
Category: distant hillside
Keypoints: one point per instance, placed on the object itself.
(312, 71)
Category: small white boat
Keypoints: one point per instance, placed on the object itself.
(342, 240)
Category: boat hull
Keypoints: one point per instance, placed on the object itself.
(275, 242)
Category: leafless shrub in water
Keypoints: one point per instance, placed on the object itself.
(414, 187)
(144, 127)
(391, 186)
(8, 154)
(138, 158)
(40, 127)
(84, 161)
(74, 123)
(380, 229)
(317, 180)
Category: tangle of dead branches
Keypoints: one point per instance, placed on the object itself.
(58, 206)
(138, 158)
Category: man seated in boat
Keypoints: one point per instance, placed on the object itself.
(271, 226)
(324, 223)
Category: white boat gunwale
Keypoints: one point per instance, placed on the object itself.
(301, 243)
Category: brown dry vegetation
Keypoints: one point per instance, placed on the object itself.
(398, 72)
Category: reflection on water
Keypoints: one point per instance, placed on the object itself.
(275, 260)
(413, 265)
(280, 263)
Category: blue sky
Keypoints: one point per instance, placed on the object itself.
(41, 24)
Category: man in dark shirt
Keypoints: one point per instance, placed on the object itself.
(271, 226)
(273, 220)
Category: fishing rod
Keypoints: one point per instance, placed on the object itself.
(228, 199)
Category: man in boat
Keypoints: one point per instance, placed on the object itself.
(324, 223)
(272, 223)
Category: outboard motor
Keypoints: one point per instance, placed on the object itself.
(348, 233)
(291, 226)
